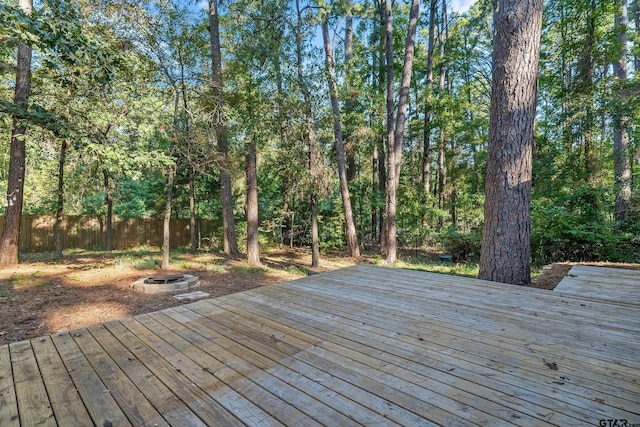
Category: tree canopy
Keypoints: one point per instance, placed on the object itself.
(124, 94)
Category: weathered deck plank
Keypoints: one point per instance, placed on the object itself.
(33, 403)
(606, 284)
(8, 402)
(63, 395)
(358, 346)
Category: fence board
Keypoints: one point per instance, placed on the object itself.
(89, 232)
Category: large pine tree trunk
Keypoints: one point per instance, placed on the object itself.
(505, 253)
(253, 247)
(398, 132)
(353, 249)
(10, 239)
(60, 204)
(622, 169)
(228, 221)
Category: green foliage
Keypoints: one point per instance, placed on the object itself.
(576, 227)
(465, 247)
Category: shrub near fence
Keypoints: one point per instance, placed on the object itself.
(89, 232)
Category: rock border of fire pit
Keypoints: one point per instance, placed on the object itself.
(188, 282)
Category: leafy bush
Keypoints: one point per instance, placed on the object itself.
(575, 228)
(463, 247)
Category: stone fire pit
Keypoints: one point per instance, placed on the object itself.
(161, 283)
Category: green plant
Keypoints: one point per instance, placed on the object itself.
(146, 264)
(299, 271)
(6, 293)
(463, 247)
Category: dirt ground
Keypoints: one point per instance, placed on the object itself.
(42, 296)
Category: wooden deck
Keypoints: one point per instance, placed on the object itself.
(359, 346)
(608, 284)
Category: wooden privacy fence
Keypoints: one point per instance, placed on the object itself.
(90, 232)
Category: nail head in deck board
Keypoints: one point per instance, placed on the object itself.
(8, 404)
(97, 398)
(65, 400)
(172, 408)
(33, 403)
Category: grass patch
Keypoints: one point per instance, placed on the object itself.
(298, 271)
(250, 269)
(146, 264)
(465, 270)
(26, 280)
(6, 293)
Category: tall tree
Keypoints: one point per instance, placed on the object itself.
(228, 221)
(309, 135)
(352, 238)
(442, 168)
(505, 253)
(426, 132)
(622, 170)
(10, 240)
(395, 131)
(253, 247)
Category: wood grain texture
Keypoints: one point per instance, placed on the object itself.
(363, 345)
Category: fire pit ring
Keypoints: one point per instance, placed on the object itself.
(163, 283)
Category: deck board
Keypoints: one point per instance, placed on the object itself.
(363, 345)
(601, 283)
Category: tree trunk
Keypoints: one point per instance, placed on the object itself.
(60, 204)
(166, 231)
(253, 247)
(10, 240)
(192, 213)
(382, 162)
(442, 169)
(353, 249)
(228, 221)
(398, 133)
(315, 245)
(622, 169)
(375, 188)
(505, 253)
(350, 149)
(108, 200)
(426, 132)
(390, 235)
(636, 56)
(315, 162)
(586, 73)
